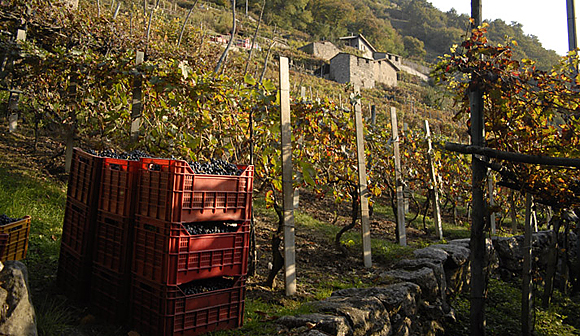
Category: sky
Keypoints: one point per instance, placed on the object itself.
(545, 19)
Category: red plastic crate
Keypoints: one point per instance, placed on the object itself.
(110, 294)
(84, 177)
(166, 253)
(78, 228)
(117, 189)
(74, 274)
(113, 242)
(170, 191)
(17, 243)
(159, 310)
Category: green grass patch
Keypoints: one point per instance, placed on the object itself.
(24, 193)
(258, 314)
(503, 309)
(44, 200)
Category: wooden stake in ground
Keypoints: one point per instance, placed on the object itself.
(527, 304)
(362, 182)
(435, 183)
(289, 244)
(491, 204)
(401, 234)
(137, 103)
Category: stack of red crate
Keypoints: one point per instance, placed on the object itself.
(126, 232)
(76, 251)
(113, 246)
(174, 269)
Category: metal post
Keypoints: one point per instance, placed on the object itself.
(527, 302)
(572, 38)
(479, 172)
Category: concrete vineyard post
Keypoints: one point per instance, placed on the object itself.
(14, 96)
(137, 101)
(402, 236)
(285, 122)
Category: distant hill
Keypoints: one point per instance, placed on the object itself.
(414, 29)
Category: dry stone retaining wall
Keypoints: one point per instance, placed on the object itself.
(417, 301)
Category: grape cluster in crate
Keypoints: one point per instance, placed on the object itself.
(160, 243)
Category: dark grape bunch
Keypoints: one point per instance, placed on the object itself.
(133, 155)
(207, 285)
(7, 220)
(209, 228)
(215, 167)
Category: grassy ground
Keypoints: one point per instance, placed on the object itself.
(28, 187)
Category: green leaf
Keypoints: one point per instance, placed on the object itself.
(277, 184)
(249, 79)
(307, 172)
(268, 85)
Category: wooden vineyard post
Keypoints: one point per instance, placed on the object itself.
(492, 205)
(14, 96)
(401, 234)
(289, 243)
(137, 101)
(434, 181)
(362, 182)
(527, 302)
(373, 115)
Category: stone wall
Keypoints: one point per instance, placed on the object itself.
(340, 68)
(362, 71)
(395, 59)
(324, 50)
(385, 72)
(418, 67)
(417, 300)
(414, 304)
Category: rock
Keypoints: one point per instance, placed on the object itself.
(431, 253)
(366, 315)
(461, 242)
(510, 253)
(17, 313)
(313, 332)
(333, 325)
(437, 267)
(424, 277)
(401, 326)
(458, 255)
(401, 298)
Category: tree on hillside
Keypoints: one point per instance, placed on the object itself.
(329, 18)
(414, 47)
(288, 13)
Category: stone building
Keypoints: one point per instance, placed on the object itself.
(362, 71)
(366, 70)
(325, 50)
(360, 43)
